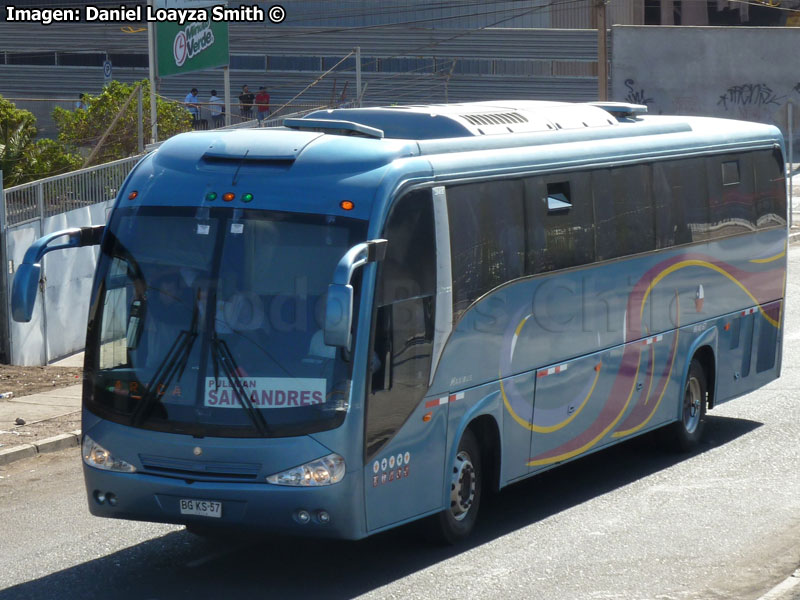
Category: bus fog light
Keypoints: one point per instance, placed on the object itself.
(303, 517)
(111, 498)
(323, 471)
(98, 457)
(99, 497)
(323, 517)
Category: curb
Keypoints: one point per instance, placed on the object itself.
(794, 238)
(788, 589)
(58, 442)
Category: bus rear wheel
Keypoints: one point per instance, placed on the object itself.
(466, 480)
(688, 431)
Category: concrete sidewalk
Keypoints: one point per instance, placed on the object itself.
(35, 408)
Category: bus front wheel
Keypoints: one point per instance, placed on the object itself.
(688, 431)
(466, 480)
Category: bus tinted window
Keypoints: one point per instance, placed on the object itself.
(770, 189)
(409, 269)
(672, 228)
(623, 211)
(730, 195)
(559, 222)
(403, 339)
(681, 201)
(487, 238)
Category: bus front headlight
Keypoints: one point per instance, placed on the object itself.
(98, 457)
(323, 471)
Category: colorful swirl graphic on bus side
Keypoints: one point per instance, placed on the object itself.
(640, 416)
(760, 287)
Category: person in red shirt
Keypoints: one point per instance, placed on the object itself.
(262, 105)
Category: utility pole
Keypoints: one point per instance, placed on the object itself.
(602, 50)
(358, 76)
(151, 53)
(140, 128)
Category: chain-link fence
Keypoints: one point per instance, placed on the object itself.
(61, 193)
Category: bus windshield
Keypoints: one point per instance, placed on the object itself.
(208, 321)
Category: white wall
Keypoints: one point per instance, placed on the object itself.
(744, 73)
(58, 327)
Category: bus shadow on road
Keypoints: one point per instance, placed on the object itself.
(181, 565)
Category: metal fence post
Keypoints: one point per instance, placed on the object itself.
(5, 333)
(790, 118)
(40, 199)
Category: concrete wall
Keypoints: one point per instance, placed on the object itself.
(747, 73)
(58, 326)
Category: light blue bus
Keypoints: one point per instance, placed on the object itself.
(373, 316)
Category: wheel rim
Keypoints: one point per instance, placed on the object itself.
(692, 401)
(462, 486)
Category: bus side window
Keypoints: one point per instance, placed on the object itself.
(770, 184)
(624, 212)
(487, 238)
(668, 199)
(730, 195)
(559, 222)
(404, 324)
(689, 199)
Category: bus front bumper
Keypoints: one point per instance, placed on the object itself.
(326, 511)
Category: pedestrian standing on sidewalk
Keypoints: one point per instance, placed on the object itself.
(217, 110)
(262, 105)
(246, 103)
(191, 102)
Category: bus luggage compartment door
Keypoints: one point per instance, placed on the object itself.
(578, 403)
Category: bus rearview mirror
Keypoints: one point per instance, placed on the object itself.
(24, 290)
(339, 315)
(339, 304)
(26, 279)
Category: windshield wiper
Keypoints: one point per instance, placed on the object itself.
(174, 363)
(222, 356)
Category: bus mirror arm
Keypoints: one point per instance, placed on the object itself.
(339, 304)
(28, 274)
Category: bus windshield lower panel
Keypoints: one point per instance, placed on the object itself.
(209, 322)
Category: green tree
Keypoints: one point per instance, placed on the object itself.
(84, 128)
(46, 158)
(22, 157)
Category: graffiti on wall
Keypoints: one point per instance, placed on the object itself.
(750, 94)
(758, 102)
(635, 96)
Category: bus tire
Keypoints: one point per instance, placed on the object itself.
(688, 431)
(456, 522)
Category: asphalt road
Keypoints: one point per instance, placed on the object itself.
(629, 522)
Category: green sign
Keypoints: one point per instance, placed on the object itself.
(191, 47)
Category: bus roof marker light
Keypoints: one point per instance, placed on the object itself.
(247, 197)
(211, 196)
(228, 196)
(347, 205)
(133, 195)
